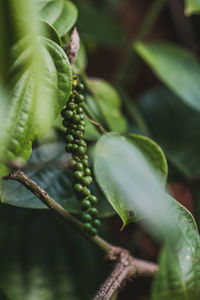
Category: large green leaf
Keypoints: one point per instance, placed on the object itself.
(29, 115)
(46, 167)
(42, 258)
(131, 183)
(192, 7)
(105, 103)
(175, 127)
(176, 67)
(62, 14)
(179, 274)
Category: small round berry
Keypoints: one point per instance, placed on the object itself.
(87, 226)
(78, 187)
(92, 232)
(85, 162)
(76, 118)
(65, 123)
(71, 105)
(93, 199)
(78, 175)
(69, 138)
(74, 147)
(68, 114)
(87, 180)
(79, 98)
(93, 211)
(79, 166)
(80, 86)
(96, 223)
(81, 142)
(82, 122)
(68, 147)
(85, 192)
(78, 134)
(85, 203)
(86, 217)
(81, 127)
(81, 116)
(72, 163)
(85, 157)
(81, 150)
(87, 171)
(80, 110)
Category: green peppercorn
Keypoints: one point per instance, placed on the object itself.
(82, 122)
(87, 180)
(81, 116)
(92, 232)
(93, 199)
(86, 217)
(71, 105)
(93, 211)
(81, 142)
(78, 134)
(87, 226)
(69, 138)
(96, 223)
(85, 162)
(78, 175)
(85, 203)
(79, 166)
(68, 147)
(87, 171)
(85, 192)
(81, 150)
(80, 86)
(80, 110)
(68, 114)
(74, 147)
(78, 187)
(81, 127)
(76, 118)
(72, 163)
(85, 157)
(79, 98)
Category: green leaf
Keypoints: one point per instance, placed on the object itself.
(105, 103)
(60, 14)
(192, 7)
(47, 167)
(50, 33)
(176, 67)
(45, 259)
(29, 115)
(179, 272)
(175, 127)
(130, 183)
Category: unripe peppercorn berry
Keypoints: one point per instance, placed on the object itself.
(80, 110)
(85, 192)
(69, 138)
(87, 180)
(81, 122)
(76, 118)
(93, 211)
(81, 142)
(78, 175)
(87, 171)
(86, 217)
(78, 134)
(79, 98)
(74, 147)
(87, 226)
(71, 105)
(78, 187)
(81, 150)
(96, 223)
(68, 114)
(93, 199)
(68, 147)
(85, 203)
(85, 162)
(80, 86)
(72, 163)
(81, 127)
(79, 166)
(92, 232)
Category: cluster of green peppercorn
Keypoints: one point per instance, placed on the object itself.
(75, 127)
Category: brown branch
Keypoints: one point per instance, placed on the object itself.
(126, 266)
(96, 124)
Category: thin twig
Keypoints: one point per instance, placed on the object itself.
(126, 266)
(96, 124)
